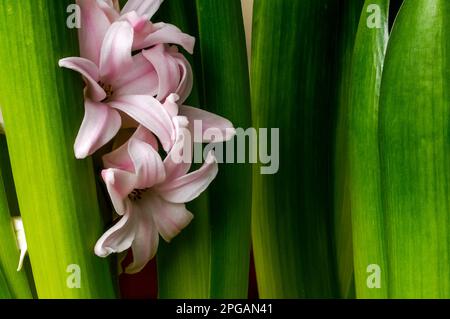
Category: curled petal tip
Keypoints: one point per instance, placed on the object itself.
(183, 121)
(80, 152)
(191, 44)
(230, 133)
(21, 240)
(173, 98)
(108, 176)
(211, 158)
(102, 252)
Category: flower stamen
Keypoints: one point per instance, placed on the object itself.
(108, 90)
(136, 194)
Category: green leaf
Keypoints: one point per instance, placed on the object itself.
(350, 12)
(293, 77)
(16, 283)
(364, 157)
(4, 289)
(227, 93)
(43, 108)
(184, 264)
(415, 151)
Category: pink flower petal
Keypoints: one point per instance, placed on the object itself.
(120, 157)
(170, 218)
(189, 187)
(100, 125)
(171, 105)
(167, 69)
(94, 25)
(175, 162)
(110, 10)
(145, 244)
(90, 73)
(187, 78)
(148, 165)
(163, 33)
(146, 136)
(209, 121)
(140, 79)
(115, 58)
(120, 184)
(138, 22)
(118, 238)
(142, 7)
(147, 111)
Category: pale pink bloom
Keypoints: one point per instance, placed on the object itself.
(222, 128)
(150, 195)
(174, 72)
(126, 83)
(209, 121)
(98, 15)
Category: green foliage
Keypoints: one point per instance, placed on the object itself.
(293, 88)
(43, 107)
(227, 93)
(366, 206)
(415, 153)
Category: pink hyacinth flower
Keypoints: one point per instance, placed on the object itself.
(98, 15)
(150, 195)
(223, 128)
(124, 83)
(172, 68)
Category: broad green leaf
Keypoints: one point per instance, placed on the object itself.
(43, 108)
(4, 289)
(350, 12)
(415, 151)
(227, 93)
(293, 88)
(15, 282)
(365, 194)
(184, 264)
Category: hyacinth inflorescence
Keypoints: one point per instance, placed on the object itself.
(136, 77)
